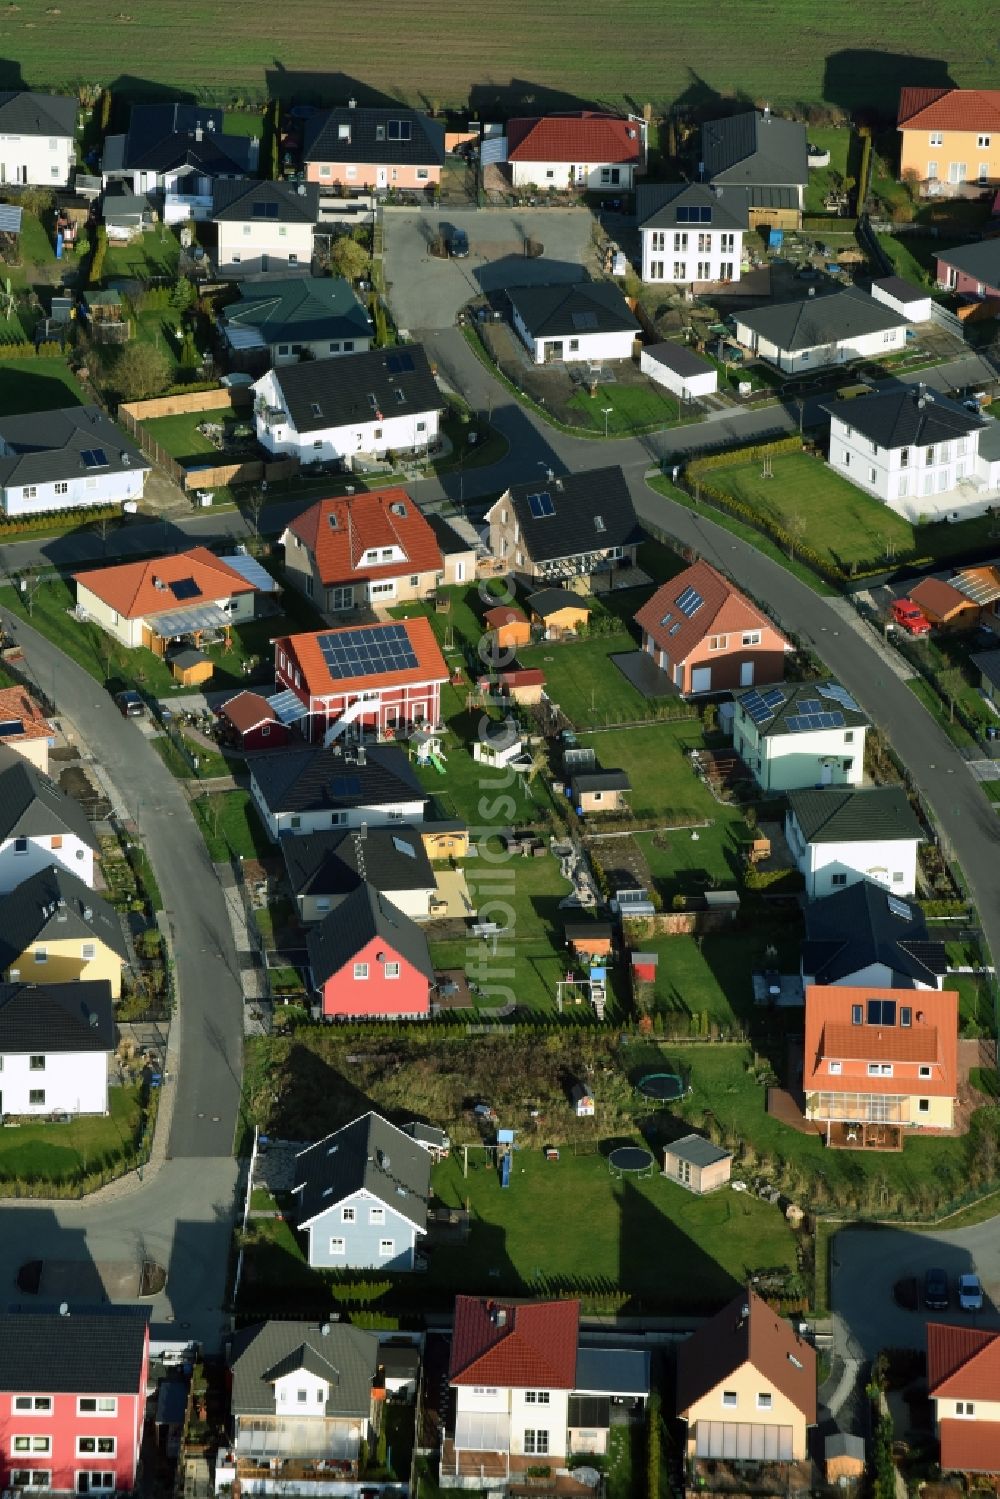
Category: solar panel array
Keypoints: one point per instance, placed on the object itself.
(367, 653)
(689, 602)
(185, 588)
(541, 504)
(94, 458)
(899, 908)
(345, 785)
(400, 364)
(801, 723)
(762, 706)
(691, 213)
(839, 695)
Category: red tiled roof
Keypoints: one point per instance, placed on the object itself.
(318, 682)
(880, 1043)
(504, 614)
(963, 1363)
(724, 610)
(949, 109)
(761, 1338)
(970, 1446)
(528, 1346)
(17, 704)
(339, 531)
(247, 710)
(940, 599)
(129, 587)
(932, 1038)
(590, 139)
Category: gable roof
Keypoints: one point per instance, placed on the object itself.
(402, 136)
(334, 863)
(296, 309)
(949, 109)
(323, 678)
(755, 149)
(339, 531)
(248, 710)
(514, 1346)
(722, 609)
(21, 717)
(25, 113)
(363, 916)
(90, 1351)
(827, 318)
(346, 1357)
(69, 1017)
(45, 446)
(666, 205)
(981, 261)
(585, 781)
(548, 601)
(856, 927)
(747, 1331)
(368, 1155)
(313, 779)
(940, 598)
(963, 1363)
(582, 137)
(356, 388)
(450, 540)
(849, 814)
(678, 357)
(579, 502)
(785, 702)
(931, 1039)
(240, 201)
(698, 1151)
(910, 416)
(134, 591)
(32, 806)
(162, 137)
(581, 307)
(55, 906)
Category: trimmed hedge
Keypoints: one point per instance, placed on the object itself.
(49, 518)
(25, 350)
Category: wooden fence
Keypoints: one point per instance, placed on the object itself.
(134, 414)
(195, 400)
(246, 471)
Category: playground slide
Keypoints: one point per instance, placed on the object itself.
(436, 761)
(505, 1171)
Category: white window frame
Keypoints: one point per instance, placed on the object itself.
(392, 971)
(93, 1486)
(95, 1450)
(31, 1478)
(97, 1405)
(41, 1405)
(338, 1244)
(348, 1213)
(360, 971)
(386, 1248)
(836, 1068)
(965, 1408)
(536, 1441)
(765, 1400)
(40, 1444)
(376, 1215)
(730, 1399)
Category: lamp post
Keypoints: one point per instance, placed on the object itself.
(606, 412)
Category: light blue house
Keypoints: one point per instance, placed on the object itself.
(362, 1196)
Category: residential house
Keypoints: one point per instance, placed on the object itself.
(250, 720)
(587, 322)
(800, 734)
(914, 302)
(55, 1045)
(695, 1163)
(559, 612)
(910, 448)
(62, 460)
(126, 214)
(580, 526)
(55, 930)
(947, 608)
(680, 370)
(304, 1398)
(879, 1062)
(971, 270)
(312, 790)
(863, 934)
(380, 679)
(356, 408)
(817, 332)
(460, 547)
(263, 226)
(357, 150)
(839, 835)
(39, 138)
(963, 1364)
(690, 234)
(590, 151)
(949, 139)
(508, 627)
(987, 663)
(376, 547)
(599, 791)
(24, 727)
(178, 151)
(707, 636)
(746, 1386)
(764, 155)
(298, 317)
(39, 825)
(72, 1398)
(367, 961)
(324, 867)
(170, 598)
(361, 1197)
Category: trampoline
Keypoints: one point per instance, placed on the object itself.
(661, 1085)
(630, 1160)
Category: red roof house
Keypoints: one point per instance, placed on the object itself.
(585, 150)
(949, 139)
(185, 594)
(948, 108)
(963, 1376)
(707, 636)
(24, 727)
(519, 1347)
(253, 722)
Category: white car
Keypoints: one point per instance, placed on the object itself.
(970, 1293)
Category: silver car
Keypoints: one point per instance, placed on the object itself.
(970, 1293)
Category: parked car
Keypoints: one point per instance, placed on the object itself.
(936, 1294)
(970, 1293)
(130, 705)
(458, 246)
(910, 617)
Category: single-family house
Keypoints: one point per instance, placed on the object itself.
(368, 961)
(987, 663)
(73, 1397)
(171, 598)
(914, 302)
(379, 679)
(800, 734)
(249, 721)
(55, 1043)
(599, 790)
(263, 226)
(304, 1398)
(817, 332)
(323, 868)
(691, 234)
(40, 825)
(55, 930)
(278, 322)
(971, 270)
(39, 138)
(863, 934)
(764, 154)
(361, 1196)
(559, 612)
(679, 369)
(590, 151)
(24, 727)
(707, 636)
(357, 550)
(746, 1386)
(947, 608)
(508, 627)
(358, 150)
(589, 939)
(580, 526)
(839, 834)
(311, 790)
(878, 1062)
(949, 139)
(357, 407)
(963, 1364)
(697, 1164)
(586, 322)
(178, 151)
(62, 460)
(460, 547)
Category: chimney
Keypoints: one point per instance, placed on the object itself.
(198, 133)
(501, 1316)
(362, 758)
(88, 913)
(352, 103)
(363, 831)
(812, 291)
(767, 112)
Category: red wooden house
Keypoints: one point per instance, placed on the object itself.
(253, 723)
(369, 960)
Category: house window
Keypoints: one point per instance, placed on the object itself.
(937, 138)
(35, 1405)
(837, 880)
(889, 338)
(764, 1400)
(730, 1399)
(386, 1248)
(536, 1397)
(984, 171)
(392, 970)
(31, 1444)
(836, 1068)
(20, 845)
(751, 637)
(36, 1064)
(36, 1098)
(414, 581)
(923, 1070)
(99, 1446)
(376, 1215)
(658, 240)
(97, 1405)
(88, 951)
(857, 1015)
(338, 1245)
(904, 457)
(932, 171)
(423, 174)
(680, 242)
(923, 1105)
(361, 970)
(29, 492)
(536, 1442)
(348, 345)
(847, 459)
(348, 1215)
(906, 1015)
(718, 642)
(680, 270)
(657, 270)
(704, 270)
(377, 434)
(41, 955)
(237, 259)
(574, 346)
(295, 822)
(550, 174)
(871, 476)
(727, 243)
(983, 142)
(282, 231)
(897, 876)
(881, 1012)
(96, 1482)
(30, 1478)
(965, 1408)
(849, 737)
(61, 487)
(880, 1069)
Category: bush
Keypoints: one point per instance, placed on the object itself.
(97, 259)
(140, 371)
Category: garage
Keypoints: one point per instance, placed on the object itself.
(701, 679)
(743, 1440)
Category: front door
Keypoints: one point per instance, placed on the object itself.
(459, 572)
(827, 777)
(383, 177)
(746, 673)
(264, 263)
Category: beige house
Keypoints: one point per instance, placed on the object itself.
(54, 930)
(695, 1163)
(949, 139)
(962, 1367)
(168, 598)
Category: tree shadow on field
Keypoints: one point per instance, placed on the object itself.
(523, 96)
(867, 82)
(325, 88)
(11, 76)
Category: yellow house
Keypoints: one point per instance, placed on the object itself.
(53, 930)
(559, 610)
(949, 139)
(746, 1386)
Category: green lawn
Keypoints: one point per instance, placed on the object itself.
(663, 781)
(243, 122)
(210, 762)
(40, 1151)
(710, 976)
(37, 385)
(843, 147)
(179, 435)
(230, 825)
(155, 253)
(587, 686)
(914, 256)
(36, 250)
(633, 408)
(932, 702)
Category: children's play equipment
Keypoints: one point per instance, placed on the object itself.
(505, 1152)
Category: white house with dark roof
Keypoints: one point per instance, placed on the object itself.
(839, 835)
(586, 322)
(313, 790)
(862, 935)
(579, 525)
(179, 151)
(800, 734)
(679, 369)
(761, 152)
(39, 825)
(263, 226)
(55, 1041)
(823, 330)
(38, 135)
(62, 460)
(311, 317)
(324, 867)
(690, 233)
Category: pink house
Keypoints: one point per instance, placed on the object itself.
(72, 1399)
(971, 270)
(369, 961)
(367, 150)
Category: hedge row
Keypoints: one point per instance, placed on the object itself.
(753, 454)
(25, 350)
(48, 518)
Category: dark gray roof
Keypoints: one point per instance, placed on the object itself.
(792, 697)
(44, 446)
(240, 201)
(600, 780)
(656, 205)
(354, 387)
(163, 137)
(900, 289)
(448, 539)
(335, 863)
(988, 663)
(374, 137)
(91, 1351)
(613, 1371)
(813, 321)
(32, 806)
(361, 917)
(54, 905)
(698, 1151)
(856, 927)
(299, 309)
(568, 311)
(57, 1017)
(550, 600)
(679, 358)
(755, 149)
(578, 502)
(981, 260)
(345, 1357)
(911, 416)
(309, 780)
(367, 1155)
(845, 814)
(581, 931)
(844, 1444)
(426, 1134)
(399, 1360)
(37, 114)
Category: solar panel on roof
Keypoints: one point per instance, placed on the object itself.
(364, 653)
(809, 705)
(757, 706)
(541, 504)
(584, 321)
(689, 602)
(399, 130)
(265, 210)
(184, 588)
(392, 364)
(800, 723)
(839, 695)
(406, 363)
(94, 458)
(346, 785)
(773, 697)
(899, 908)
